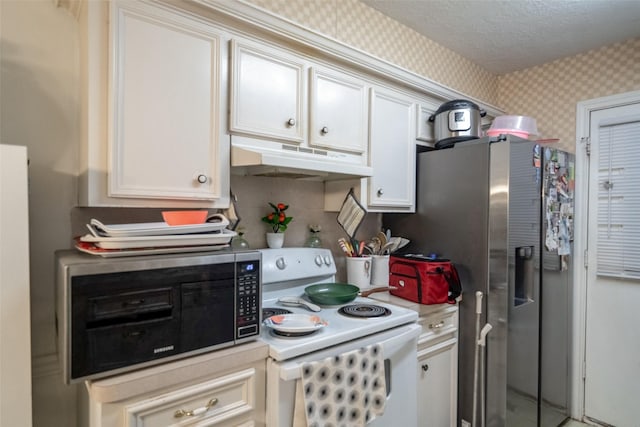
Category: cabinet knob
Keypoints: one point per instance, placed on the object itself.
(380, 192)
(425, 367)
(202, 178)
(324, 130)
(291, 122)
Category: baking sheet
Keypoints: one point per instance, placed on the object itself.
(92, 249)
(219, 222)
(217, 238)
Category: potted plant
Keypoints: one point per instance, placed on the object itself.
(278, 222)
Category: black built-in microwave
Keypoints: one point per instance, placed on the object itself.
(118, 314)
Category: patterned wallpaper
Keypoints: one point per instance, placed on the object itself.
(548, 93)
(362, 27)
(551, 91)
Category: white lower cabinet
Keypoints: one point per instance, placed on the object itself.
(438, 367)
(208, 403)
(224, 388)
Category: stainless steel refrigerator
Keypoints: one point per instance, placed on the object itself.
(501, 209)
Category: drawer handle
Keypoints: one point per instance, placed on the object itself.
(195, 412)
(438, 325)
(425, 367)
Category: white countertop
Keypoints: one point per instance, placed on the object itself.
(422, 309)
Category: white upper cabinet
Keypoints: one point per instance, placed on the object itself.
(393, 152)
(424, 129)
(338, 112)
(267, 93)
(163, 142)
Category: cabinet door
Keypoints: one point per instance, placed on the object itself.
(267, 93)
(165, 105)
(392, 152)
(437, 384)
(338, 112)
(210, 403)
(424, 128)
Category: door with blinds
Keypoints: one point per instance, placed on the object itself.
(612, 349)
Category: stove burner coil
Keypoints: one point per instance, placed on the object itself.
(364, 310)
(273, 311)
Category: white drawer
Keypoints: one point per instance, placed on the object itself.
(208, 403)
(438, 326)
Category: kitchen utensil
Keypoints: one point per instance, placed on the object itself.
(395, 242)
(346, 247)
(456, 121)
(184, 217)
(338, 293)
(403, 242)
(295, 301)
(375, 245)
(386, 248)
(351, 214)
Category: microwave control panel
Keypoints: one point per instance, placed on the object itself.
(248, 298)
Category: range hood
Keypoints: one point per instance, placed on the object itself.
(274, 159)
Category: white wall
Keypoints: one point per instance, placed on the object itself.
(39, 109)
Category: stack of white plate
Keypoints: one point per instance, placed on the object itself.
(155, 237)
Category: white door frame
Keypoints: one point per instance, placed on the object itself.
(583, 123)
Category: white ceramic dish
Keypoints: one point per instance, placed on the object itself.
(160, 228)
(92, 249)
(218, 238)
(295, 323)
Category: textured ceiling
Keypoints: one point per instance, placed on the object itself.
(509, 35)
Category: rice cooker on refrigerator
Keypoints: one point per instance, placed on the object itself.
(456, 121)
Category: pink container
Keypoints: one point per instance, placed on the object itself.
(521, 126)
(184, 217)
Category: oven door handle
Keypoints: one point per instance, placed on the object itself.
(391, 341)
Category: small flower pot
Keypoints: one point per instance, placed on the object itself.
(275, 240)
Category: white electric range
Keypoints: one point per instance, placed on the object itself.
(285, 273)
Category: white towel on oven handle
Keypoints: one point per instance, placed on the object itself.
(344, 390)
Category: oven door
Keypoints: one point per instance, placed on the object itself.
(399, 351)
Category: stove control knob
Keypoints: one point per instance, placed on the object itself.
(327, 260)
(281, 264)
(318, 260)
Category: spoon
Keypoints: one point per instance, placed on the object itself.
(295, 301)
(386, 248)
